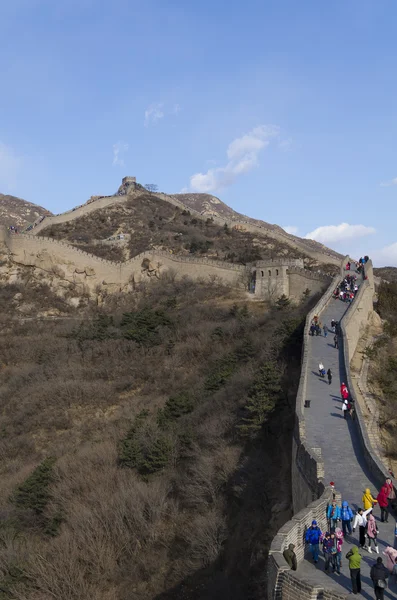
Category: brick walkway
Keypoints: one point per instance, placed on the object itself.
(343, 464)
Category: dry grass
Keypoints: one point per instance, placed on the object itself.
(73, 392)
(154, 223)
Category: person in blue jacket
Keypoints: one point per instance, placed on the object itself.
(333, 515)
(346, 515)
(312, 537)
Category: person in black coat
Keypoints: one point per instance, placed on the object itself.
(379, 575)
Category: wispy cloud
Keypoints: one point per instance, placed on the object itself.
(286, 144)
(328, 234)
(389, 183)
(242, 154)
(10, 165)
(153, 114)
(291, 229)
(177, 109)
(386, 257)
(118, 150)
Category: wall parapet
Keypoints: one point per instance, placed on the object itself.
(310, 497)
(375, 465)
(282, 582)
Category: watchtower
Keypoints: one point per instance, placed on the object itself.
(270, 278)
(128, 180)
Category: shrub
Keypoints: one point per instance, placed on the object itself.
(145, 448)
(262, 398)
(143, 326)
(34, 493)
(175, 407)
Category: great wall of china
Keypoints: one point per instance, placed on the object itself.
(91, 272)
(311, 491)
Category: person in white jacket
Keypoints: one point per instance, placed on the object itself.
(361, 520)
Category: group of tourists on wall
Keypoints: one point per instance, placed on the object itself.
(341, 523)
(318, 329)
(347, 289)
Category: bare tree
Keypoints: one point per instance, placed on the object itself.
(152, 188)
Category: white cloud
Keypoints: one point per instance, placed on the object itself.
(328, 234)
(291, 229)
(10, 165)
(118, 150)
(385, 257)
(153, 113)
(177, 109)
(242, 154)
(389, 183)
(285, 144)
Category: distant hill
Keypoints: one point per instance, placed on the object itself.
(209, 206)
(18, 212)
(122, 231)
(387, 273)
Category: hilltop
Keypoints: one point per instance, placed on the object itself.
(121, 231)
(18, 212)
(210, 206)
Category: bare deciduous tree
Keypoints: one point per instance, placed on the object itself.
(152, 188)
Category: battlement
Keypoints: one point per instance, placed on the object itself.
(128, 180)
(282, 262)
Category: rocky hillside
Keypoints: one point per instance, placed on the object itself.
(19, 213)
(146, 442)
(386, 273)
(209, 206)
(122, 231)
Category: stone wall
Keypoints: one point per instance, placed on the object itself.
(353, 322)
(356, 318)
(301, 280)
(78, 266)
(277, 234)
(284, 584)
(309, 495)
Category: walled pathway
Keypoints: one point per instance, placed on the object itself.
(343, 463)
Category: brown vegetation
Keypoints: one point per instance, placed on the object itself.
(146, 447)
(153, 223)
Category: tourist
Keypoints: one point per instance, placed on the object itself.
(367, 500)
(383, 502)
(328, 549)
(372, 533)
(312, 329)
(312, 537)
(354, 558)
(391, 557)
(336, 341)
(379, 575)
(391, 496)
(329, 375)
(325, 329)
(345, 408)
(338, 556)
(333, 515)
(332, 323)
(321, 369)
(290, 557)
(346, 517)
(344, 392)
(361, 520)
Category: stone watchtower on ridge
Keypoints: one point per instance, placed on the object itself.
(270, 279)
(128, 184)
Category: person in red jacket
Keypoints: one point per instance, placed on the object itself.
(383, 502)
(344, 392)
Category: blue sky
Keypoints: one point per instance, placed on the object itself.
(287, 111)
